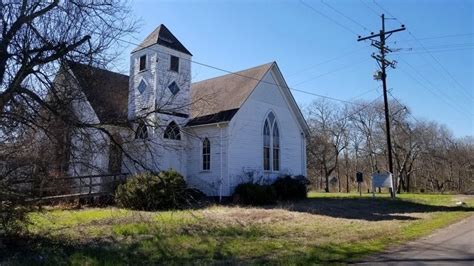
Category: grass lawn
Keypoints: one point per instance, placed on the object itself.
(326, 228)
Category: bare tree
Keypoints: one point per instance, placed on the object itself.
(426, 155)
(328, 128)
(37, 38)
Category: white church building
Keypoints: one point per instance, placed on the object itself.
(217, 132)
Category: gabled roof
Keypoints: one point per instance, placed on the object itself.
(106, 91)
(219, 99)
(217, 95)
(162, 36)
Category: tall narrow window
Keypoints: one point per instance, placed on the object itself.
(172, 131)
(206, 154)
(271, 144)
(266, 146)
(142, 131)
(174, 63)
(276, 147)
(142, 62)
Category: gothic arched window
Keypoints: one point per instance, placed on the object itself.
(206, 154)
(172, 131)
(142, 131)
(271, 144)
(266, 146)
(276, 147)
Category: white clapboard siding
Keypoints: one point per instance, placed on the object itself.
(213, 182)
(246, 133)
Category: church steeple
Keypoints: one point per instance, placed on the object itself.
(160, 78)
(162, 36)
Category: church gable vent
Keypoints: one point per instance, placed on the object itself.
(174, 88)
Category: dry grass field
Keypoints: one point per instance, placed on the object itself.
(325, 228)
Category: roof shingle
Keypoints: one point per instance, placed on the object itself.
(106, 91)
(224, 93)
(162, 36)
(213, 100)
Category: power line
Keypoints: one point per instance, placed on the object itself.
(328, 17)
(364, 93)
(442, 67)
(392, 16)
(365, 106)
(438, 94)
(370, 8)
(409, 113)
(244, 76)
(343, 55)
(438, 37)
(464, 89)
(344, 15)
(444, 96)
(434, 51)
(452, 45)
(330, 72)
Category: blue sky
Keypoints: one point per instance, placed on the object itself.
(318, 51)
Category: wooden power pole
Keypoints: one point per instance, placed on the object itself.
(383, 63)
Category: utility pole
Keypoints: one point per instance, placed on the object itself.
(383, 63)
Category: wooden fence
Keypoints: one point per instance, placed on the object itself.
(70, 187)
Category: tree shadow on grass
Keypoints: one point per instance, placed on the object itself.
(378, 209)
(48, 251)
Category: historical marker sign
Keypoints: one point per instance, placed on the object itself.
(382, 180)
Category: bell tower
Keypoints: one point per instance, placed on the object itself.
(160, 78)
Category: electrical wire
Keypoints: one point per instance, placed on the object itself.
(342, 55)
(344, 15)
(328, 17)
(434, 51)
(436, 37)
(464, 89)
(438, 94)
(244, 76)
(370, 8)
(331, 71)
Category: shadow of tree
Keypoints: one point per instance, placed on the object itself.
(368, 209)
(50, 251)
(156, 248)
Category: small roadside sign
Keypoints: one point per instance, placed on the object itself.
(382, 180)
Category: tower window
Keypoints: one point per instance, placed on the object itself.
(173, 87)
(142, 62)
(174, 63)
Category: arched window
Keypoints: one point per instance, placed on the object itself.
(206, 154)
(271, 144)
(276, 147)
(266, 146)
(142, 131)
(172, 131)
